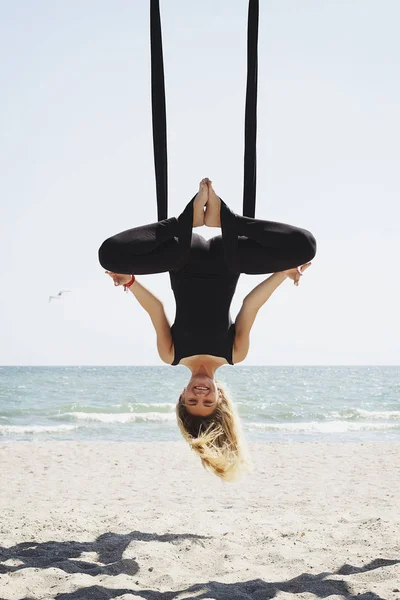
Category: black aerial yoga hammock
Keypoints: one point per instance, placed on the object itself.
(159, 111)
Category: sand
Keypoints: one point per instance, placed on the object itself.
(133, 521)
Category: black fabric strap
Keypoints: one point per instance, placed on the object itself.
(158, 111)
(250, 127)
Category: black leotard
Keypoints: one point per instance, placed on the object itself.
(203, 292)
(204, 273)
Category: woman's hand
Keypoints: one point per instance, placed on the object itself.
(296, 273)
(119, 278)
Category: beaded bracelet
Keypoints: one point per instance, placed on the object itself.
(127, 285)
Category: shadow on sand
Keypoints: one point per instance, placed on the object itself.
(110, 548)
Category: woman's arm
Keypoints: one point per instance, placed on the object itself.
(145, 298)
(252, 304)
(155, 309)
(247, 314)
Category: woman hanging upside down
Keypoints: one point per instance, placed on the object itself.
(204, 275)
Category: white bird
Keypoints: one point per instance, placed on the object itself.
(58, 297)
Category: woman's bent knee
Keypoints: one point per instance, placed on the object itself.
(107, 253)
(308, 246)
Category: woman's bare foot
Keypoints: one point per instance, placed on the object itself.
(212, 216)
(199, 203)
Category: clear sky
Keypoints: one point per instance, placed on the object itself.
(77, 166)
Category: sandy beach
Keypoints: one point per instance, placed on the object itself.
(133, 521)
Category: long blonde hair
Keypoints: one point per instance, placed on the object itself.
(217, 439)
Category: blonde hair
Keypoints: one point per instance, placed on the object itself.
(217, 439)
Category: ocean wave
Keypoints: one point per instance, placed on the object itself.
(356, 414)
(323, 427)
(7, 429)
(169, 405)
(74, 407)
(119, 417)
(346, 415)
(384, 414)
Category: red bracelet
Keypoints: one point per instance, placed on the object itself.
(126, 285)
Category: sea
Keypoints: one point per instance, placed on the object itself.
(135, 403)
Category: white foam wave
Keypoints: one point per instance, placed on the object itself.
(323, 427)
(7, 429)
(170, 405)
(360, 413)
(384, 414)
(121, 417)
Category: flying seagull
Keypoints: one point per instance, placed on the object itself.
(58, 297)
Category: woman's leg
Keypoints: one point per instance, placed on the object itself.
(155, 248)
(256, 247)
(152, 248)
(158, 247)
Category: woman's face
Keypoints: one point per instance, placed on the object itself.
(201, 396)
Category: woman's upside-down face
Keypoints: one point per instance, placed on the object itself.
(201, 396)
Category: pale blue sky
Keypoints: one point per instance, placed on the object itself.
(77, 167)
